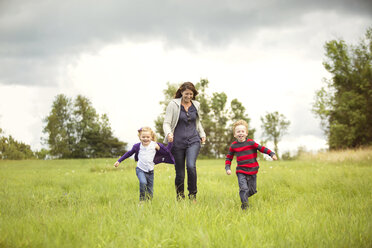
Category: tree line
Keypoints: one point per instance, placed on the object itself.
(75, 130)
(13, 149)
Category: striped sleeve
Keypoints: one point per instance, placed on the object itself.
(229, 158)
(263, 149)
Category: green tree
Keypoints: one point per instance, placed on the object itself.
(274, 126)
(13, 149)
(81, 132)
(42, 153)
(106, 145)
(93, 132)
(344, 106)
(59, 128)
(169, 94)
(206, 119)
(86, 128)
(218, 136)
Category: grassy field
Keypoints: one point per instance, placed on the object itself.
(316, 201)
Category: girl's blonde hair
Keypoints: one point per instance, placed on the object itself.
(240, 122)
(147, 129)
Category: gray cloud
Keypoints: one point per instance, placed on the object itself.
(36, 36)
(304, 122)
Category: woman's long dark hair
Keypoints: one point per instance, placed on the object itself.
(186, 86)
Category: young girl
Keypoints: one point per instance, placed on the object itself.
(147, 153)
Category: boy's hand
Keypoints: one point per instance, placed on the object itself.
(275, 157)
(228, 172)
(116, 164)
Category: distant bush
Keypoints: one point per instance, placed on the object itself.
(287, 156)
(12, 149)
(42, 154)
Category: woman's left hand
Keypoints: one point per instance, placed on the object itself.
(203, 140)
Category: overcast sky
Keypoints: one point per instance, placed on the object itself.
(120, 54)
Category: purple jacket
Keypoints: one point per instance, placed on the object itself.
(164, 154)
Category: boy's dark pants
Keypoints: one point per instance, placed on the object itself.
(247, 187)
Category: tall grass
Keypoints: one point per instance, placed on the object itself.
(88, 203)
(362, 154)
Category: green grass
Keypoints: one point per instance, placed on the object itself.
(88, 203)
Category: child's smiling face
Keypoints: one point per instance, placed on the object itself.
(145, 138)
(240, 133)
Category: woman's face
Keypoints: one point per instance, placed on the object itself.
(187, 95)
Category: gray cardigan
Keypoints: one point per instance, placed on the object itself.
(173, 113)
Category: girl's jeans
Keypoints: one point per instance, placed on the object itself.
(247, 187)
(146, 183)
(189, 156)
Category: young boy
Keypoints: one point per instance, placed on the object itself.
(247, 165)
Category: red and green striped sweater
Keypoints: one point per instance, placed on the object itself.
(246, 156)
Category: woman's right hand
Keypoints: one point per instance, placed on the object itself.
(116, 164)
(170, 137)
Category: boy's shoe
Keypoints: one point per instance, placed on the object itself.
(192, 198)
(245, 206)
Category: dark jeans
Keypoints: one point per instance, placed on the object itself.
(247, 187)
(146, 182)
(189, 156)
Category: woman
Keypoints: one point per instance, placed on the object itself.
(182, 126)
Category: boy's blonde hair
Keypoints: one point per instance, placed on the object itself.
(238, 123)
(147, 129)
